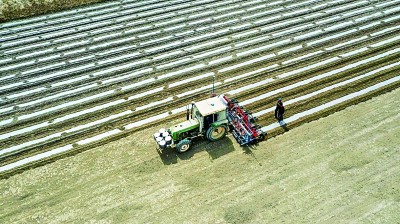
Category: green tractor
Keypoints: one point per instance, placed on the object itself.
(206, 118)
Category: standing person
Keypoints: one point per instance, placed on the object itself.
(279, 111)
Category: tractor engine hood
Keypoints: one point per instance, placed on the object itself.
(183, 127)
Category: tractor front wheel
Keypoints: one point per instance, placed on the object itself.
(216, 133)
(183, 146)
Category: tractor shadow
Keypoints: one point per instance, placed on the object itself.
(219, 148)
(248, 150)
(168, 156)
(214, 150)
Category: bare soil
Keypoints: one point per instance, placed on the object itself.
(72, 138)
(341, 168)
(15, 9)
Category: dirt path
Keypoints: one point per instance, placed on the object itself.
(342, 168)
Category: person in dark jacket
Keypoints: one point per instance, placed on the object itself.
(279, 110)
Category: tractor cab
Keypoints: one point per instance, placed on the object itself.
(209, 112)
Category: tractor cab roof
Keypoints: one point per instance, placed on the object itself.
(210, 106)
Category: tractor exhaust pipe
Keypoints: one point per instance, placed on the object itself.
(213, 90)
(187, 112)
(191, 110)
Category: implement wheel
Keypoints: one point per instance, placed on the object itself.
(262, 137)
(183, 145)
(216, 133)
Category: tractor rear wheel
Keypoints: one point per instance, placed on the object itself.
(183, 145)
(216, 133)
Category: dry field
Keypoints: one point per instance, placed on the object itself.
(77, 79)
(343, 168)
(82, 91)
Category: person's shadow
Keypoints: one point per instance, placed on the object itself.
(284, 126)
